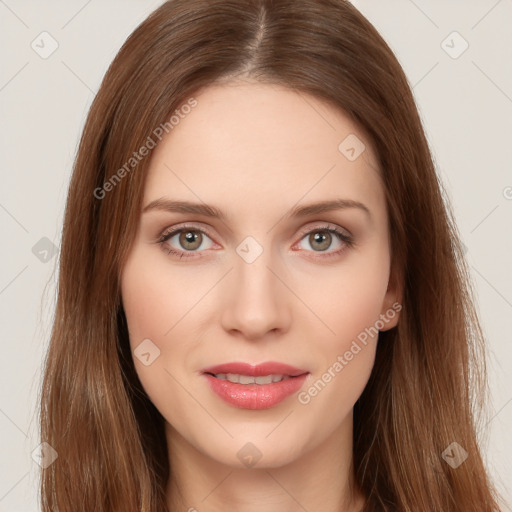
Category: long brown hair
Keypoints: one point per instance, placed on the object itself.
(428, 386)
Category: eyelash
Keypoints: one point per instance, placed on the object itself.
(347, 240)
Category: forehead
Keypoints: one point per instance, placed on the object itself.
(249, 145)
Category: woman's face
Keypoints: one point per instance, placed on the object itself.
(256, 276)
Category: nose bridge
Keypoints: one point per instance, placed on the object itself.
(254, 279)
(256, 302)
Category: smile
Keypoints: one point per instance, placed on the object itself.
(254, 387)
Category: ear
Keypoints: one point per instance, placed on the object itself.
(392, 303)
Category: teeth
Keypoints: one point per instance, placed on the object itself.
(247, 379)
(267, 379)
(244, 379)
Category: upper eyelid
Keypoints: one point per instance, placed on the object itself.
(184, 226)
(325, 225)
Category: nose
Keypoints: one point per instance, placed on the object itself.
(255, 301)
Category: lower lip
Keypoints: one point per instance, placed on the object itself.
(255, 396)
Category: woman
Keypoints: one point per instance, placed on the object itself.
(263, 302)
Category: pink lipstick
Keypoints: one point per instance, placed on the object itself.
(254, 386)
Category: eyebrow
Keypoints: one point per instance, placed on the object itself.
(167, 205)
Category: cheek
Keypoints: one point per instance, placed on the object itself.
(155, 297)
(350, 300)
(155, 311)
(162, 303)
(349, 304)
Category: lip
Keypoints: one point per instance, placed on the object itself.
(256, 370)
(255, 396)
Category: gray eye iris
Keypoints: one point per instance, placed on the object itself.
(322, 238)
(190, 240)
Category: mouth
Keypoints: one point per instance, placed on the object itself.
(254, 387)
(237, 378)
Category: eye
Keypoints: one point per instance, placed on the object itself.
(183, 240)
(323, 238)
(186, 241)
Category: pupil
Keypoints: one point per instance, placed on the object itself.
(189, 238)
(323, 239)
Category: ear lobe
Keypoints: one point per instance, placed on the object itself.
(392, 304)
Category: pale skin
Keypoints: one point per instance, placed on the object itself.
(255, 152)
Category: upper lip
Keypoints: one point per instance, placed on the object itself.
(256, 370)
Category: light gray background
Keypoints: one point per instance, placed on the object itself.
(465, 103)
